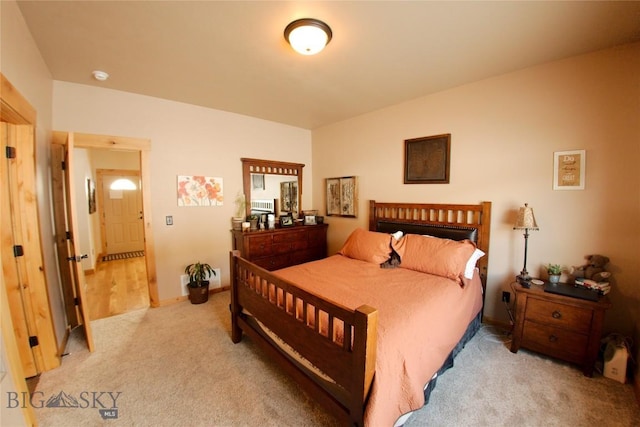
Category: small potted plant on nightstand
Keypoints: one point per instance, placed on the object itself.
(198, 285)
(554, 271)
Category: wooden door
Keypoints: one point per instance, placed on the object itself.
(124, 231)
(73, 257)
(22, 263)
(16, 293)
(62, 233)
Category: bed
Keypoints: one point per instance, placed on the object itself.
(259, 206)
(332, 327)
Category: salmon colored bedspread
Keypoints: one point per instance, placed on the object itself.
(421, 319)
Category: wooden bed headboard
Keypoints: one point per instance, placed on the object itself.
(452, 221)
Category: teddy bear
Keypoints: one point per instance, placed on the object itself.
(594, 269)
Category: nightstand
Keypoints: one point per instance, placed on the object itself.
(559, 326)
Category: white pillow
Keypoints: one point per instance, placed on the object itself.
(471, 263)
(397, 235)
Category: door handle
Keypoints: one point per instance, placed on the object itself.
(77, 258)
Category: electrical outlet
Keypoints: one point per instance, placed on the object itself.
(506, 296)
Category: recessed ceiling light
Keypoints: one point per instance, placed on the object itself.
(100, 75)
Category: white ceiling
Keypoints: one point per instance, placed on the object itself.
(232, 55)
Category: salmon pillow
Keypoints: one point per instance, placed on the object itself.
(427, 254)
(369, 246)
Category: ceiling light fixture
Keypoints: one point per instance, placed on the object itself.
(100, 75)
(308, 36)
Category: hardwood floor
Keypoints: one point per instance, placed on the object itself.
(117, 287)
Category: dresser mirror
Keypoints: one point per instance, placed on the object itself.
(271, 186)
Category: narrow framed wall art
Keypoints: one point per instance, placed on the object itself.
(342, 196)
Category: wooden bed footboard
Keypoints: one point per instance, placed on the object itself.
(339, 342)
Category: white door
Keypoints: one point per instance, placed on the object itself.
(123, 220)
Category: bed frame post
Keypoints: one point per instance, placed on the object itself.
(236, 332)
(364, 355)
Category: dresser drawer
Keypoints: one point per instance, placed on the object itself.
(556, 342)
(273, 262)
(559, 315)
(259, 245)
(317, 237)
(290, 237)
(282, 247)
(307, 255)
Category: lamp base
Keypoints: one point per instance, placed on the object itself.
(524, 280)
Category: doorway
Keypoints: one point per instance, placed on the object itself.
(103, 146)
(118, 284)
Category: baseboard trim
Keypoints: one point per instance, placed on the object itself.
(497, 323)
(186, 297)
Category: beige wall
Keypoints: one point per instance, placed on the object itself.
(504, 131)
(185, 140)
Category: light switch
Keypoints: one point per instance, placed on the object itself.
(169, 219)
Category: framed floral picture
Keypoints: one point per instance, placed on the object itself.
(196, 190)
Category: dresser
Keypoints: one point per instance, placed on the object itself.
(563, 327)
(282, 247)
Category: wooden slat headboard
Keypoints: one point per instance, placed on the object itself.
(466, 221)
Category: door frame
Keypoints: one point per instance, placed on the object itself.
(15, 109)
(143, 147)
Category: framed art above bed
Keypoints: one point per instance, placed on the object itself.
(426, 160)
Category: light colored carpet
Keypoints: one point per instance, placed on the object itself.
(176, 366)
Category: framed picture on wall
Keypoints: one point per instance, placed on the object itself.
(342, 196)
(426, 160)
(91, 195)
(569, 170)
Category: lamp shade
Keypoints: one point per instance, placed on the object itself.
(526, 219)
(307, 36)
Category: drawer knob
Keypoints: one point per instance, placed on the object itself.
(553, 338)
(556, 314)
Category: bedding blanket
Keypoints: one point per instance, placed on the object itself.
(421, 319)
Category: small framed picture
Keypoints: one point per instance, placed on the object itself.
(569, 170)
(286, 221)
(309, 220)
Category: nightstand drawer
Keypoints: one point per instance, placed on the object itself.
(560, 315)
(555, 342)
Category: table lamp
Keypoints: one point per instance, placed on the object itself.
(525, 221)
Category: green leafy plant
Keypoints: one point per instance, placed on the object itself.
(554, 269)
(198, 274)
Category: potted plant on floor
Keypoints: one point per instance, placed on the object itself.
(554, 271)
(198, 285)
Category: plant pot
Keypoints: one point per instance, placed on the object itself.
(236, 223)
(254, 224)
(554, 278)
(199, 295)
